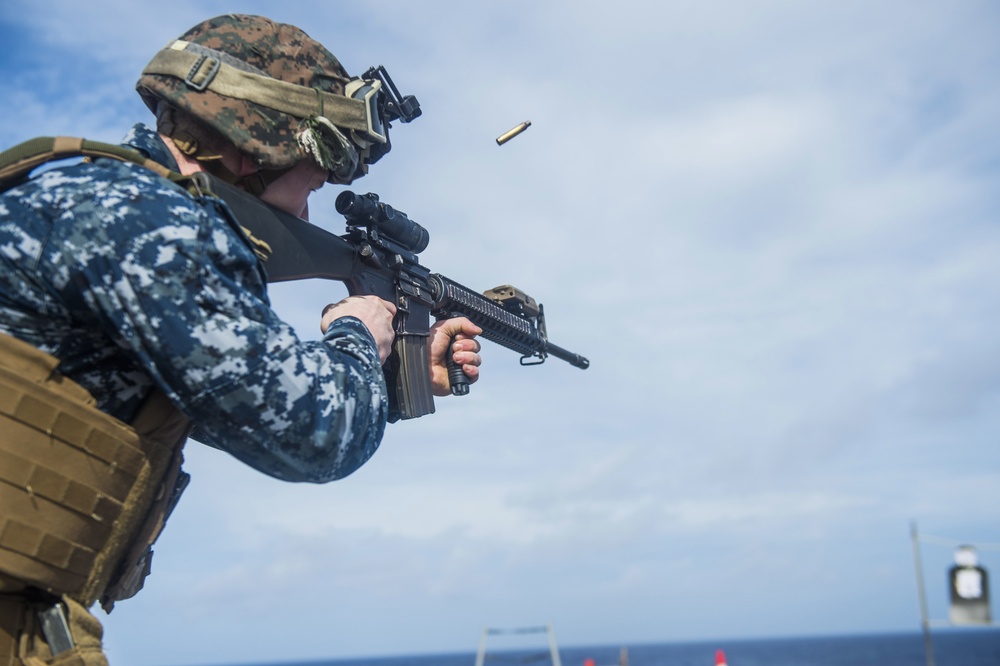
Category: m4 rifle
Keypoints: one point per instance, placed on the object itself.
(378, 255)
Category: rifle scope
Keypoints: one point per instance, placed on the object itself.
(365, 210)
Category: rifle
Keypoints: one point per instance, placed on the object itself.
(378, 255)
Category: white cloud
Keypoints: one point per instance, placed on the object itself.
(770, 226)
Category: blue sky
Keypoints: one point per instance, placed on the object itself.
(774, 229)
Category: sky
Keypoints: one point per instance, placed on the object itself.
(774, 229)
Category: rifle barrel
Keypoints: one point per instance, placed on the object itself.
(572, 358)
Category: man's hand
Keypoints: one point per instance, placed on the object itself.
(373, 312)
(464, 351)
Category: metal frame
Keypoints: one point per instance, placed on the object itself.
(925, 622)
(547, 630)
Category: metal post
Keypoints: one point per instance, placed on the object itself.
(925, 623)
(481, 652)
(553, 648)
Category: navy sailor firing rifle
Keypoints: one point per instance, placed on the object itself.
(134, 310)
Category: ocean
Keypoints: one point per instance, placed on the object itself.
(974, 647)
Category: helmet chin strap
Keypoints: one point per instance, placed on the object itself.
(255, 183)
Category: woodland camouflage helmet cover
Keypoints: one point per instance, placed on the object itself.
(228, 73)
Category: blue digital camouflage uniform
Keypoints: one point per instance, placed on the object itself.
(134, 284)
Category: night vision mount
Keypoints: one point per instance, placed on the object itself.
(395, 106)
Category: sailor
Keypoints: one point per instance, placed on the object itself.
(133, 311)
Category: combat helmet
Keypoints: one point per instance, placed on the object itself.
(277, 95)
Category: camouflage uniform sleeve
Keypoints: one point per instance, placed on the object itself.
(172, 280)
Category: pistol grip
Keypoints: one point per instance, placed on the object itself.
(456, 376)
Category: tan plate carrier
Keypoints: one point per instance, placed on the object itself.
(82, 494)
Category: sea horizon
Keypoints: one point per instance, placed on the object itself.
(978, 646)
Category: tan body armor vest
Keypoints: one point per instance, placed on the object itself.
(82, 494)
